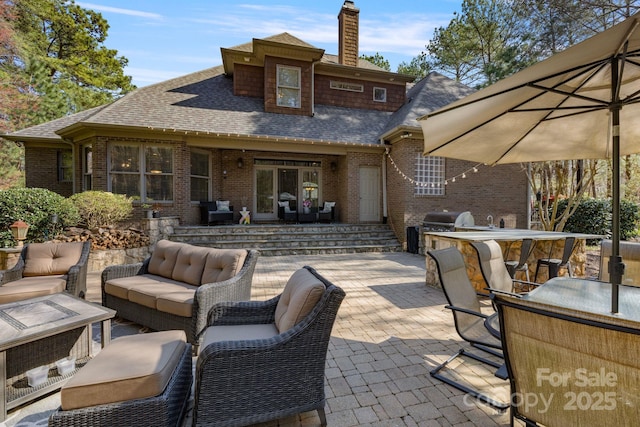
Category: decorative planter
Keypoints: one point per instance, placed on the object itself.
(306, 210)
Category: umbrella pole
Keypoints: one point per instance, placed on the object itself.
(616, 266)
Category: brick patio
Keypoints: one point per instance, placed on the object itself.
(391, 330)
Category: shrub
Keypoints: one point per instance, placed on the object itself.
(35, 206)
(101, 208)
(593, 216)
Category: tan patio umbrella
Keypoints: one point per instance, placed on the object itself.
(582, 103)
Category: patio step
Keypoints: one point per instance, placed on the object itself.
(293, 239)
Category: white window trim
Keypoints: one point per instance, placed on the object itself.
(298, 88)
(384, 92)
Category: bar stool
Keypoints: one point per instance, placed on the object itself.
(514, 266)
(555, 264)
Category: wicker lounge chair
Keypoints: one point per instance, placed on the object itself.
(265, 360)
(468, 318)
(45, 268)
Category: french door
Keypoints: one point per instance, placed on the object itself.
(300, 186)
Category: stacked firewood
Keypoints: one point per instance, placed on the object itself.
(106, 238)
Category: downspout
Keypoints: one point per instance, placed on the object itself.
(313, 87)
(384, 185)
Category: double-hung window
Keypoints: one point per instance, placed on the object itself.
(144, 171)
(288, 82)
(65, 166)
(200, 176)
(430, 175)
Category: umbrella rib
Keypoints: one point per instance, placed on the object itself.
(568, 94)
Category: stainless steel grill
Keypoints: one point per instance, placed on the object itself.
(447, 221)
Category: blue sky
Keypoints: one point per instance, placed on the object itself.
(167, 38)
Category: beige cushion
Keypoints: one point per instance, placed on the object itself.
(222, 264)
(132, 367)
(301, 293)
(238, 332)
(163, 259)
(148, 294)
(120, 287)
(31, 287)
(190, 264)
(43, 259)
(179, 303)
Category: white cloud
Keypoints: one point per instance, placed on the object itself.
(120, 11)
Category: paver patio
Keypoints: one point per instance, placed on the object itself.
(390, 331)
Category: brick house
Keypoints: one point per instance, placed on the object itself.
(278, 117)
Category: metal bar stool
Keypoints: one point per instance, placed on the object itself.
(554, 264)
(514, 266)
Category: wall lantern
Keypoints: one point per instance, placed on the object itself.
(19, 231)
(240, 163)
(334, 166)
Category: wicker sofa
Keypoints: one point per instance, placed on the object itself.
(44, 269)
(175, 287)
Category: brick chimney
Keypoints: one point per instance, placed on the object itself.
(348, 34)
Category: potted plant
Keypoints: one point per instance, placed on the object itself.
(147, 209)
(306, 206)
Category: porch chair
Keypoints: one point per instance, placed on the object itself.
(520, 265)
(286, 213)
(554, 264)
(265, 360)
(494, 270)
(468, 319)
(328, 212)
(46, 268)
(543, 341)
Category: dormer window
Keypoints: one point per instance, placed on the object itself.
(379, 94)
(288, 83)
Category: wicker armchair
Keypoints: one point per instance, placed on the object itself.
(24, 277)
(250, 371)
(206, 295)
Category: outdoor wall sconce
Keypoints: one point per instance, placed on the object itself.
(333, 166)
(240, 163)
(224, 174)
(19, 231)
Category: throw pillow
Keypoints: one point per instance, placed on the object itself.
(328, 206)
(222, 205)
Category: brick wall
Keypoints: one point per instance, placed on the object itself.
(41, 169)
(248, 80)
(364, 100)
(270, 86)
(500, 191)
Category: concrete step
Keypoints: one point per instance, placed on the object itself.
(293, 239)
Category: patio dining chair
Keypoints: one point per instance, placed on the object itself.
(555, 264)
(468, 319)
(597, 354)
(494, 270)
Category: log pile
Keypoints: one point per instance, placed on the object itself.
(106, 238)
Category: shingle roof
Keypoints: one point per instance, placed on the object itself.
(204, 102)
(430, 93)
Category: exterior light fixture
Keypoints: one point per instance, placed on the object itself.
(19, 231)
(333, 166)
(240, 163)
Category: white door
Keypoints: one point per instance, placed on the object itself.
(369, 194)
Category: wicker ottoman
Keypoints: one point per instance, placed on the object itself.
(139, 380)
